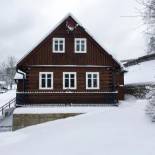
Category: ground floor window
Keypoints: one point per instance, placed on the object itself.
(69, 80)
(92, 80)
(46, 80)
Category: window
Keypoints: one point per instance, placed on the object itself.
(58, 45)
(92, 80)
(46, 80)
(69, 80)
(80, 45)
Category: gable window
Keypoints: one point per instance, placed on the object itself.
(46, 80)
(80, 45)
(92, 80)
(58, 45)
(69, 80)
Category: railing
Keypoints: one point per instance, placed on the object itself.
(10, 104)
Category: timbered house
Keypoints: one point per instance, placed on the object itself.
(69, 67)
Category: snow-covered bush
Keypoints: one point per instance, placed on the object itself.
(150, 108)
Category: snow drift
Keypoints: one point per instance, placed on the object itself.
(123, 130)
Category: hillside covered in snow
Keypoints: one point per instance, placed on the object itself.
(123, 130)
(143, 72)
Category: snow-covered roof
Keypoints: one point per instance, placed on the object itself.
(141, 73)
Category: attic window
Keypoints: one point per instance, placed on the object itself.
(80, 45)
(58, 45)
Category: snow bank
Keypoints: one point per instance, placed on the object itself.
(41, 110)
(141, 73)
(123, 130)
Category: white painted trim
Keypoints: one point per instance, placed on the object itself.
(98, 80)
(80, 39)
(67, 92)
(73, 88)
(69, 66)
(46, 88)
(58, 39)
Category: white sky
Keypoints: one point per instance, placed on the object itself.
(24, 22)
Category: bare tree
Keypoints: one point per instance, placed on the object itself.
(7, 71)
(149, 20)
(10, 70)
(150, 108)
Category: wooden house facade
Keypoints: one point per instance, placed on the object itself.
(69, 67)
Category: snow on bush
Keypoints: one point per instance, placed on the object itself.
(150, 108)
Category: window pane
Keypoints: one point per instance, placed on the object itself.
(56, 47)
(61, 41)
(66, 75)
(94, 82)
(89, 75)
(77, 42)
(49, 83)
(66, 83)
(61, 47)
(82, 47)
(77, 47)
(94, 76)
(56, 41)
(72, 83)
(72, 75)
(89, 83)
(43, 76)
(82, 42)
(49, 76)
(43, 83)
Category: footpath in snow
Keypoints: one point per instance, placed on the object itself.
(123, 130)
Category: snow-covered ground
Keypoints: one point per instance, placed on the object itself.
(42, 110)
(141, 73)
(6, 97)
(123, 130)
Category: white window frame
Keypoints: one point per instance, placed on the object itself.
(75, 82)
(58, 39)
(98, 80)
(40, 80)
(75, 43)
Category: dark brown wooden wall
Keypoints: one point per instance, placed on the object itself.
(42, 54)
(120, 85)
(68, 98)
(32, 81)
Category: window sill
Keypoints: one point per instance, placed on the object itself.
(58, 51)
(92, 88)
(80, 52)
(45, 88)
(68, 89)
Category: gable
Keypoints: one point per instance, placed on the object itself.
(42, 54)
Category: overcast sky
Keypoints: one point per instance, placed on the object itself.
(24, 22)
